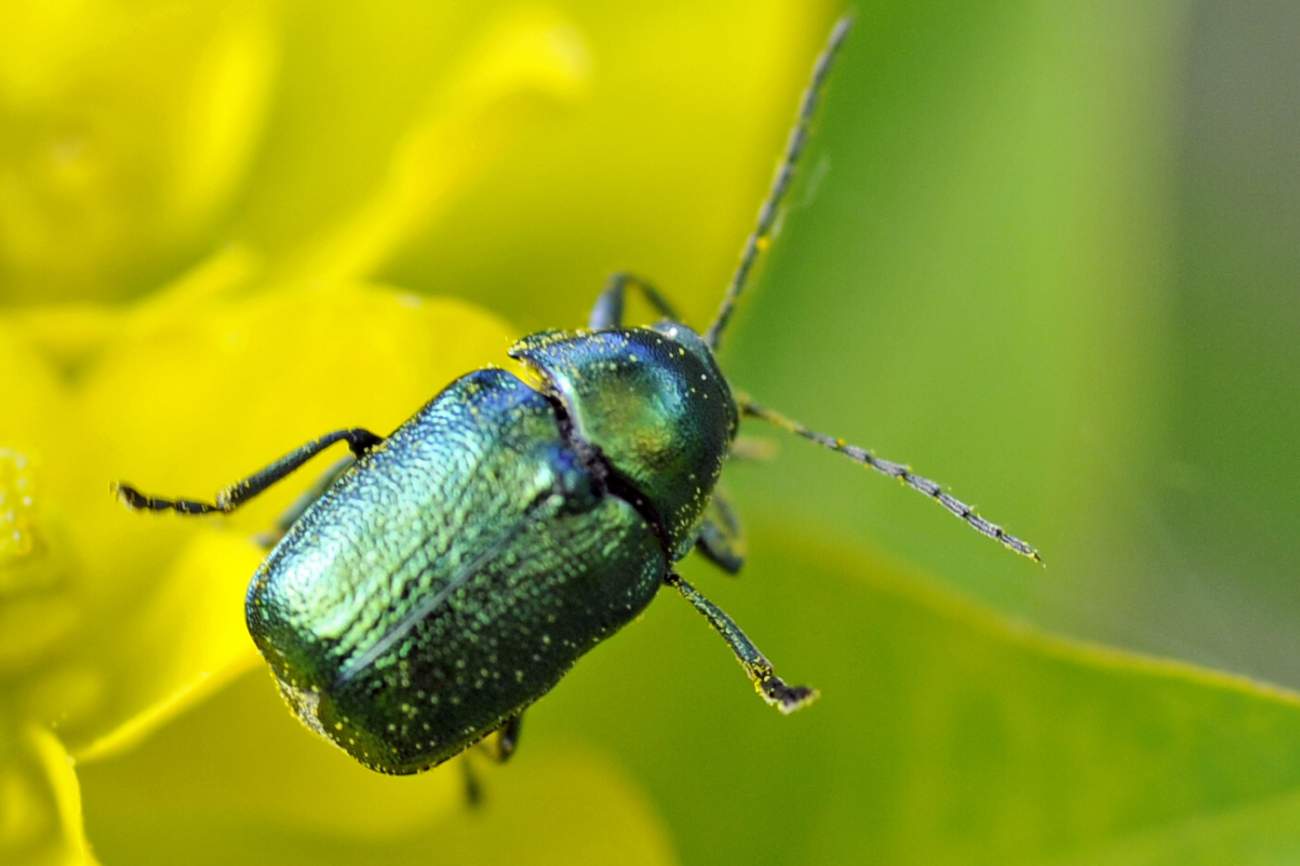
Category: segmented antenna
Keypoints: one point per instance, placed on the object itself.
(761, 235)
(894, 470)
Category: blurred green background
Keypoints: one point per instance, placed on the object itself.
(1046, 252)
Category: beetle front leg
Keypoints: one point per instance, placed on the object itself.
(359, 440)
(770, 687)
(720, 538)
(608, 311)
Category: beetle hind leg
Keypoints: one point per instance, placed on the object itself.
(507, 742)
(770, 687)
(473, 785)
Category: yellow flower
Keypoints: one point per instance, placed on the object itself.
(249, 173)
(125, 129)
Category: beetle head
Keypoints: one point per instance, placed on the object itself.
(650, 402)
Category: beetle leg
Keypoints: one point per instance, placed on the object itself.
(310, 495)
(227, 500)
(473, 788)
(507, 740)
(770, 687)
(608, 311)
(720, 539)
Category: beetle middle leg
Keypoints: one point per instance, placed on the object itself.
(311, 494)
(507, 741)
(771, 688)
(470, 779)
(359, 440)
(720, 538)
(608, 310)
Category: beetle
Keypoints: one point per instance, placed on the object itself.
(443, 578)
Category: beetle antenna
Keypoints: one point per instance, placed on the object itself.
(760, 238)
(894, 470)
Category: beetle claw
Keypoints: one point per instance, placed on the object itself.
(785, 697)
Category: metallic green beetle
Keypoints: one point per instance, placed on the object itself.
(429, 590)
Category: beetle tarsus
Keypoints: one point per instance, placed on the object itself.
(785, 697)
(359, 439)
(770, 687)
(137, 501)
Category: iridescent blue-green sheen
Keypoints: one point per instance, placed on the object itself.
(452, 576)
(655, 404)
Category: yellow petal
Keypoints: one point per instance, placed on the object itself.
(660, 171)
(202, 395)
(186, 640)
(69, 335)
(238, 775)
(32, 401)
(529, 57)
(37, 590)
(40, 801)
(125, 130)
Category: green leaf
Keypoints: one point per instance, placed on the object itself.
(944, 733)
(970, 280)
